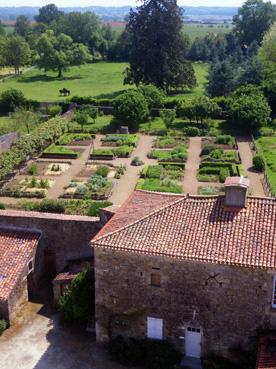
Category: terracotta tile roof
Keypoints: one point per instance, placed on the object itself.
(16, 248)
(267, 352)
(195, 228)
(237, 181)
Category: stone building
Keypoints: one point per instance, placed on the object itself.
(198, 271)
(17, 256)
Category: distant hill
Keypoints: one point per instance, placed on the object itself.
(115, 14)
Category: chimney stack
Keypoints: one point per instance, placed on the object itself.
(236, 191)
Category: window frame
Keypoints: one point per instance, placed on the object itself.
(155, 334)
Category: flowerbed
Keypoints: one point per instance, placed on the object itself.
(211, 153)
(168, 142)
(220, 142)
(76, 139)
(218, 170)
(178, 154)
(120, 140)
(110, 154)
(28, 187)
(96, 188)
(161, 179)
(55, 151)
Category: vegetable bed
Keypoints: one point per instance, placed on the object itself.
(178, 154)
(120, 140)
(55, 152)
(82, 139)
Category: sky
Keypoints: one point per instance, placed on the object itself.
(116, 2)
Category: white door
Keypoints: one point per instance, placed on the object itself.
(193, 342)
(155, 328)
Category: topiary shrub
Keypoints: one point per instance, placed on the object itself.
(191, 131)
(136, 161)
(77, 302)
(259, 163)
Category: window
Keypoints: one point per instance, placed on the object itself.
(155, 280)
(273, 303)
(155, 328)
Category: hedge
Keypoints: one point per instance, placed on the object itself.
(89, 100)
(28, 144)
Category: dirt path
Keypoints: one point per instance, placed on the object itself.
(246, 155)
(124, 187)
(190, 183)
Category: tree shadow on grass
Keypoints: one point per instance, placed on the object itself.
(45, 78)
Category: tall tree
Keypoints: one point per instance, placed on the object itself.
(157, 53)
(2, 30)
(48, 14)
(58, 53)
(16, 52)
(253, 20)
(23, 26)
(221, 79)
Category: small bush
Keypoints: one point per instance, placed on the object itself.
(2, 206)
(54, 110)
(151, 354)
(259, 163)
(224, 140)
(51, 206)
(136, 161)
(102, 171)
(207, 149)
(191, 131)
(3, 325)
(33, 169)
(223, 174)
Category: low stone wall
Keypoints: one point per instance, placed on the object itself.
(63, 238)
(7, 140)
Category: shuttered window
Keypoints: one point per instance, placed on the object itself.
(155, 328)
(274, 292)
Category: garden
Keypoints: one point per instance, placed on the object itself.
(162, 178)
(45, 168)
(266, 147)
(76, 139)
(29, 187)
(60, 152)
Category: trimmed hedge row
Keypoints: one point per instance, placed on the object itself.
(27, 145)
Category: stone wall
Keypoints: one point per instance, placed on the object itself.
(64, 237)
(230, 304)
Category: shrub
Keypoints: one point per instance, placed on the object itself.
(153, 171)
(123, 151)
(54, 110)
(33, 169)
(77, 303)
(267, 131)
(259, 163)
(44, 183)
(2, 206)
(102, 171)
(223, 174)
(50, 206)
(216, 154)
(130, 108)
(191, 131)
(151, 354)
(12, 99)
(224, 140)
(206, 150)
(3, 325)
(136, 161)
(153, 96)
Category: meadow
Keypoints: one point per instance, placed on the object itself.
(100, 80)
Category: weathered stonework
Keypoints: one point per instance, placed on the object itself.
(230, 304)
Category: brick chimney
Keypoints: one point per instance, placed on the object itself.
(236, 191)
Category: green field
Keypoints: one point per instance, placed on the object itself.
(6, 125)
(192, 29)
(98, 80)
(267, 147)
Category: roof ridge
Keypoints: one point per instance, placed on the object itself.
(183, 197)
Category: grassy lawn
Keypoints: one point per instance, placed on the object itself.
(102, 125)
(267, 146)
(199, 30)
(99, 80)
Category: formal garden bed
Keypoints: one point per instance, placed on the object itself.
(30, 187)
(44, 168)
(76, 139)
(220, 142)
(161, 178)
(217, 171)
(169, 142)
(97, 187)
(65, 206)
(111, 153)
(178, 154)
(120, 140)
(212, 154)
(55, 152)
(210, 190)
(266, 147)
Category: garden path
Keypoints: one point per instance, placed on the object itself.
(190, 183)
(124, 187)
(255, 177)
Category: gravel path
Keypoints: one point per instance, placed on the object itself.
(246, 155)
(190, 183)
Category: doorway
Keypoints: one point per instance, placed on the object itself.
(193, 342)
